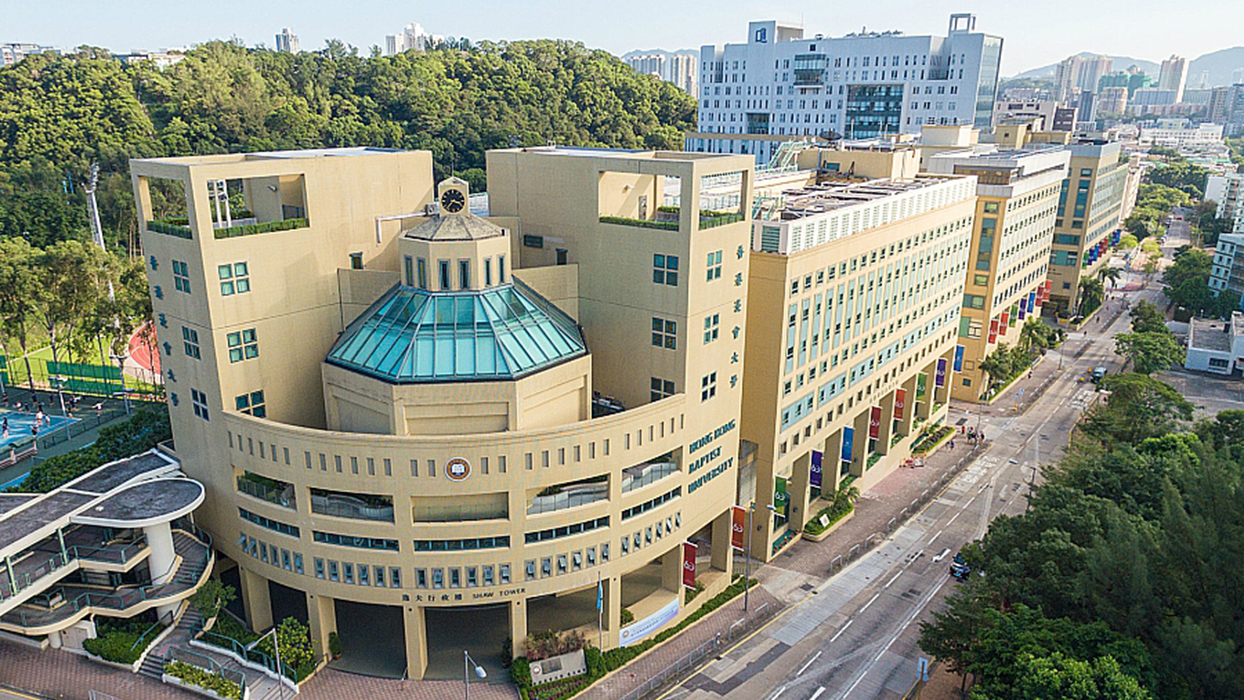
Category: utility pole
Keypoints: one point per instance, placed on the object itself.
(97, 229)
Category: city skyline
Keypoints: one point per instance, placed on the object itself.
(1137, 31)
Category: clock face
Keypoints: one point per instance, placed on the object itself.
(452, 201)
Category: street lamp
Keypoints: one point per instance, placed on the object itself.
(467, 662)
(276, 646)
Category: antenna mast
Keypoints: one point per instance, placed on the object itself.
(97, 229)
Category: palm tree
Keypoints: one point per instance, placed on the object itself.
(1110, 273)
(845, 497)
(1091, 294)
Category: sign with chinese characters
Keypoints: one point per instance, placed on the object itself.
(457, 469)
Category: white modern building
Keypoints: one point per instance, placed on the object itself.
(1226, 272)
(1174, 76)
(1053, 115)
(287, 41)
(782, 84)
(1227, 191)
(1216, 346)
(413, 37)
(1200, 136)
(13, 52)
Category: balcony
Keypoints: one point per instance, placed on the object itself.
(270, 490)
(67, 604)
(84, 547)
(650, 473)
(356, 506)
(570, 495)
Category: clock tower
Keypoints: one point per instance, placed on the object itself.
(453, 195)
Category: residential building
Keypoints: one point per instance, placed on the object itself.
(1131, 186)
(678, 67)
(854, 290)
(13, 52)
(1088, 220)
(412, 38)
(287, 41)
(1228, 192)
(1053, 116)
(1191, 138)
(1017, 204)
(449, 421)
(1226, 272)
(1174, 76)
(1112, 101)
(108, 545)
(1226, 107)
(860, 86)
(1216, 346)
(1079, 74)
(1132, 79)
(160, 59)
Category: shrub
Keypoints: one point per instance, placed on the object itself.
(207, 680)
(334, 644)
(295, 641)
(627, 616)
(122, 643)
(266, 227)
(542, 645)
(211, 597)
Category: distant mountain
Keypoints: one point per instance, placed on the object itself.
(1220, 64)
(1119, 63)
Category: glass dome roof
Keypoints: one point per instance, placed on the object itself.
(414, 336)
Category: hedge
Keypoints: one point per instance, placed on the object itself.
(931, 438)
(599, 665)
(142, 431)
(123, 643)
(207, 680)
(266, 227)
(814, 527)
(641, 223)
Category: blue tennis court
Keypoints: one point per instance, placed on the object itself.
(20, 424)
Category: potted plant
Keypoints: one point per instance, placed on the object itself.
(335, 648)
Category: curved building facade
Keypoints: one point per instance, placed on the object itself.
(442, 431)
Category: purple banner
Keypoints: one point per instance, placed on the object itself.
(939, 379)
(814, 476)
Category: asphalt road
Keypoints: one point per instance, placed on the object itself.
(855, 636)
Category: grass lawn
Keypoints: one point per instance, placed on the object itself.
(38, 366)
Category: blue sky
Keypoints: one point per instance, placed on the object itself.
(1037, 32)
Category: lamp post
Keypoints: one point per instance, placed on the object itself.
(747, 562)
(276, 646)
(467, 663)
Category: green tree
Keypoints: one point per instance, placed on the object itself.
(19, 293)
(1150, 352)
(1138, 407)
(1110, 274)
(1092, 293)
(1146, 318)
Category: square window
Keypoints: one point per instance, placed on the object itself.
(664, 333)
(665, 269)
(190, 342)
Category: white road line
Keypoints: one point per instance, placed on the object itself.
(939, 534)
(805, 666)
(839, 632)
(779, 692)
(910, 618)
(900, 573)
(870, 602)
(973, 498)
(952, 520)
(817, 694)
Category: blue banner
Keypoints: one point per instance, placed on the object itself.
(959, 358)
(814, 476)
(848, 442)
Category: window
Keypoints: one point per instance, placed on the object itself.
(664, 333)
(980, 279)
(488, 272)
(501, 269)
(533, 241)
(199, 399)
(973, 301)
(181, 276)
(252, 404)
(274, 525)
(234, 279)
(565, 530)
(1219, 363)
(712, 325)
(563, 256)
(991, 207)
(353, 541)
(408, 271)
(319, 568)
(464, 274)
(423, 273)
(714, 266)
(356, 263)
(665, 269)
(243, 345)
(446, 285)
(661, 388)
(708, 386)
(190, 342)
(648, 505)
(464, 545)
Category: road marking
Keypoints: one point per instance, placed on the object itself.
(973, 498)
(870, 602)
(952, 520)
(939, 534)
(805, 666)
(839, 632)
(910, 617)
(900, 573)
(779, 692)
(817, 694)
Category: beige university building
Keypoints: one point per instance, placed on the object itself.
(439, 429)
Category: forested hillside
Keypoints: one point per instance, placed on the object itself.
(57, 114)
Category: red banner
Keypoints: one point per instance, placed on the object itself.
(688, 565)
(900, 401)
(738, 526)
(874, 422)
(1006, 319)
(993, 332)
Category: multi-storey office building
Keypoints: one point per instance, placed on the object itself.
(439, 430)
(1089, 207)
(1227, 191)
(1226, 274)
(781, 83)
(1017, 204)
(855, 290)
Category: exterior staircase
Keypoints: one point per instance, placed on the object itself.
(153, 665)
